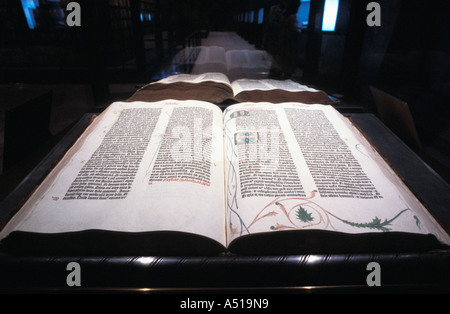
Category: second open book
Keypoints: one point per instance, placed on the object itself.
(217, 88)
(182, 176)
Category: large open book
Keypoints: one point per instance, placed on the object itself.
(234, 63)
(183, 177)
(216, 87)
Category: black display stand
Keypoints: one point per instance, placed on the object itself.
(405, 272)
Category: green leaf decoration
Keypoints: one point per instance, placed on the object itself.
(417, 222)
(304, 215)
(376, 222)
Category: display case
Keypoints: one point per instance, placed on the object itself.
(416, 272)
(128, 51)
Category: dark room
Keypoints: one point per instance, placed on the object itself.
(325, 120)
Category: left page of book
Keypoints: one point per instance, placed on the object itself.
(210, 59)
(210, 87)
(138, 167)
(195, 78)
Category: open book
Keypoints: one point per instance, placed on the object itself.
(234, 63)
(216, 87)
(183, 177)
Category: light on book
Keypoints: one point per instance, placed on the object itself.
(145, 260)
(330, 15)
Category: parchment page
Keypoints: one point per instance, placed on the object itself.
(211, 54)
(210, 59)
(303, 167)
(237, 59)
(268, 84)
(139, 167)
(196, 78)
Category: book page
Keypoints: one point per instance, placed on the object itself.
(305, 167)
(268, 84)
(210, 59)
(196, 78)
(237, 59)
(139, 167)
(211, 54)
(248, 64)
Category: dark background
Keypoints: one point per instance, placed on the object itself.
(68, 71)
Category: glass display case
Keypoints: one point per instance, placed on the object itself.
(383, 66)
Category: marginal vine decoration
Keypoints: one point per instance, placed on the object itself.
(376, 222)
(304, 213)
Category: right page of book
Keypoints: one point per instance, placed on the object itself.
(242, 85)
(293, 166)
